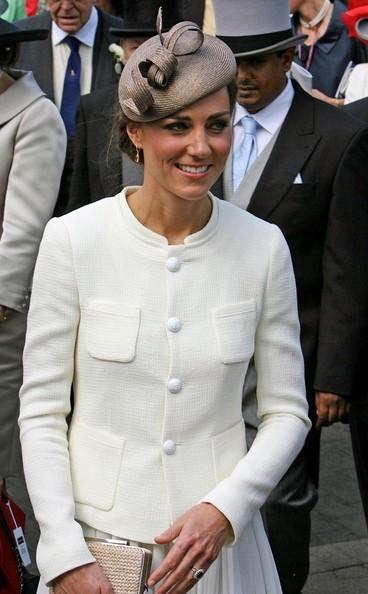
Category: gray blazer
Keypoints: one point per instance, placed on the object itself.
(32, 148)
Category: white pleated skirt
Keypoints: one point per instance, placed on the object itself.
(245, 568)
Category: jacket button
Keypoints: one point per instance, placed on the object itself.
(169, 447)
(173, 265)
(174, 384)
(174, 324)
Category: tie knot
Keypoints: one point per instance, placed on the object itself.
(73, 43)
(249, 125)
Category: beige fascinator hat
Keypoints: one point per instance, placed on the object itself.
(172, 70)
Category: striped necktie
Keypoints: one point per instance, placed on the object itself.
(246, 152)
(71, 89)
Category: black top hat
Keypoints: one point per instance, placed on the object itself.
(10, 33)
(140, 17)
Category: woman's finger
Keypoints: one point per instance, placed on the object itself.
(182, 576)
(171, 561)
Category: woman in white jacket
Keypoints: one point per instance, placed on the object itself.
(152, 303)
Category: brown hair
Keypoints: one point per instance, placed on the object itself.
(121, 121)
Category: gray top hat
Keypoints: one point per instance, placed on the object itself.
(252, 27)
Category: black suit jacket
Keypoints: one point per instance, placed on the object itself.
(325, 222)
(98, 161)
(358, 109)
(37, 55)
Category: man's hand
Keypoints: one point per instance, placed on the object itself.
(331, 408)
(3, 311)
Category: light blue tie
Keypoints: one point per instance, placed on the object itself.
(246, 152)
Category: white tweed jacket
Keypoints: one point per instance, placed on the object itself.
(157, 339)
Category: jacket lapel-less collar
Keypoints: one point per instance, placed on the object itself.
(19, 95)
(295, 143)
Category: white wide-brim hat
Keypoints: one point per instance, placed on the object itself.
(252, 27)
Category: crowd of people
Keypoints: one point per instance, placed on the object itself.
(175, 338)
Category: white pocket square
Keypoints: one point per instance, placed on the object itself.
(298, 179)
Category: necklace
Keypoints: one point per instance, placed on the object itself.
(318, 18)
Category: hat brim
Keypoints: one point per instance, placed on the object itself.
(117, 32)
(237, 43)
(23, 35)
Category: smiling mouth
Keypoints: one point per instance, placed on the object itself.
(192, 169)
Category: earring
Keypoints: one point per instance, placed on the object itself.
(137, 157)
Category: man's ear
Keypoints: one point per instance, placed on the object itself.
(134, 131)
(287, 57)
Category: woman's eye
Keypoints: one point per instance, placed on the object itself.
(218, 126)
(176, 127)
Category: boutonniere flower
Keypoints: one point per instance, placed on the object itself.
(118, 53)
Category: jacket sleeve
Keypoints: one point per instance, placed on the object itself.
(345, 273)
(45, 403)
(33, 185)
(282, 406)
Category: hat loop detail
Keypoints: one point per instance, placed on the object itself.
(159, 68)
(183, 39)
(141, 99)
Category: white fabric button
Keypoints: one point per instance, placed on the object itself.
(173, 265)
(169, 447)
(174, 384)
(174, 324)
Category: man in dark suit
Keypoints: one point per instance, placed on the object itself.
(358, 418)
(307, 173)
(88, 26)
(100, 167)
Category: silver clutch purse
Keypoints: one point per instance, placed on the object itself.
(127, 567)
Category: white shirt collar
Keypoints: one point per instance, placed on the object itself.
(86, 34)
(271, 117)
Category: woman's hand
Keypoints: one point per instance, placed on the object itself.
(199, 535)
(87, 579)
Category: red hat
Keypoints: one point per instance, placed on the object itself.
(356, 19)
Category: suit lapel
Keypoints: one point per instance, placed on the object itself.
(103, 73)
(296, 141)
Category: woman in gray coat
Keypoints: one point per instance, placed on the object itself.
(32, 148)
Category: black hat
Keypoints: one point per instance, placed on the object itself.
(140, 17)
(10, 33)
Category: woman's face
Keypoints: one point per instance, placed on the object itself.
(185, 153)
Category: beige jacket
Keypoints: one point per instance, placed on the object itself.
(32, 149)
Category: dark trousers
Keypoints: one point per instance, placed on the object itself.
(287, 511)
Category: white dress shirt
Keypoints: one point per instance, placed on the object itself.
(269, 119)
(61, 53)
